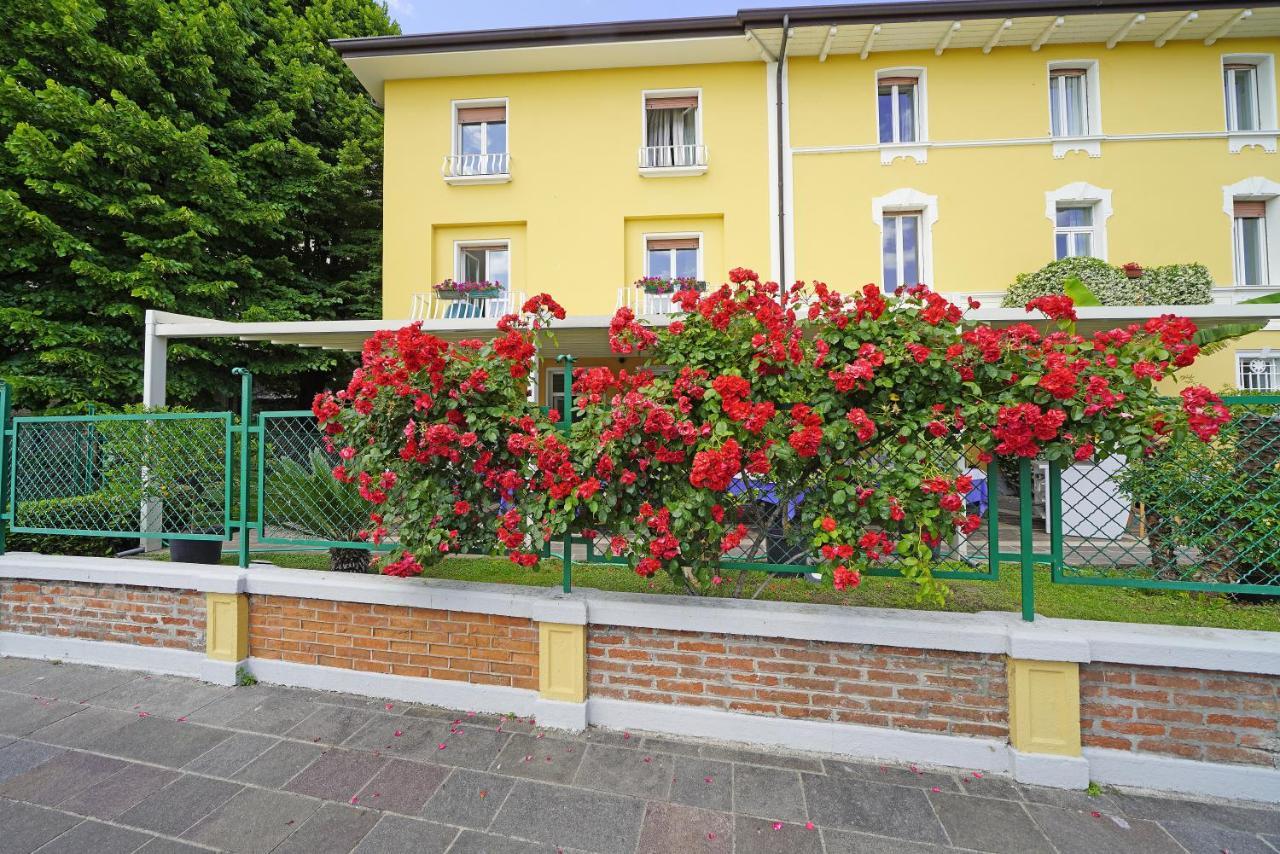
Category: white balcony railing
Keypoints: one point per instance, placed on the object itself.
(680, 159)
(645, 304)
(428, 306)
(476, 168)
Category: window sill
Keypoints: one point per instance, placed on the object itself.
(1064, 145)
(672, 171)
(1239, 140)
(891, 151)
(465, 180)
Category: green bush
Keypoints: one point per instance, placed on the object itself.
(98, 511)
(1172, 284)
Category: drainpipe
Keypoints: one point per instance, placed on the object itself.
(782, 157)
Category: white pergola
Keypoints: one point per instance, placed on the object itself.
(585, 336)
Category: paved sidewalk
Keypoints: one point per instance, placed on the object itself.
(104, 761)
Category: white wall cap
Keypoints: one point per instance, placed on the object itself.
(139, 573)
(837, 623)
(560, 608)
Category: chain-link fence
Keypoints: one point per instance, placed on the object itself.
(301, 503)
(1191, 516)
(160, 474)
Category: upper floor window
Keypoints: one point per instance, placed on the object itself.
(673, 257)
(672, 132)
(1069, 108)
(901, 248)
(480, 143)
(1249, 234)
(484, 262)
(898, 106)
(1258, 372)
(1073, 232)
(1240, 87)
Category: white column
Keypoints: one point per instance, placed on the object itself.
(155, 371)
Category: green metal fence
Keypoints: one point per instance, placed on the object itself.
(1194, 516)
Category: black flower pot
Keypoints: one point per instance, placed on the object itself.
(195, 551)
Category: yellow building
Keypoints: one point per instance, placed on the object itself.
(956, 143)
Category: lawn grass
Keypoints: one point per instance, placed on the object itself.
(1167, 607)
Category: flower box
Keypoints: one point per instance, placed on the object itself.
(449, 289)
(664, 285)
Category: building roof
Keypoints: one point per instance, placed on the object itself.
(753, 34)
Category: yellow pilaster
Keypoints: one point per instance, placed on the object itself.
(562, 662)
(226, 626)
(1044, 706)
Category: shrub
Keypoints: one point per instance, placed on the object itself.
(833, 422)
(1172, 284)
(312, 504)
(1109, 284)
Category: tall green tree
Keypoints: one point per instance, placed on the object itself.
(207, 157)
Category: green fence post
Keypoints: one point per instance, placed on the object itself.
(6, 514)
(246, 409)
(993, 519)
(1055, 518)
(566, 558)
(1026, 557)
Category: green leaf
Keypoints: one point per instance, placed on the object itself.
(1079, 293)
(1265, 299)
(1216, 338)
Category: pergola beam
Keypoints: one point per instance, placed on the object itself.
(826, 44)
(995, 37)
(1228, 26)
(1164, 37)
(1118, 35)
(946, 38)
(1046, 33)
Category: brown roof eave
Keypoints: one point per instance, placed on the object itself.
(616, 31)
(951, 10)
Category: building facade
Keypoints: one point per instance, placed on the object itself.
(956, 144)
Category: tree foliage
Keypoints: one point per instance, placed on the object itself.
(205, 157)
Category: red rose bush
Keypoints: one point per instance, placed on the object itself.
(764, 424)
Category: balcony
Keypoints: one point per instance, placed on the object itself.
(644, 304)
(672, 161)
(429, 306)
(476, 168)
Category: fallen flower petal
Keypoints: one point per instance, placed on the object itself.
(808, 825)
(398, 733)
(935, 789)
(777, 825)
(440, 746)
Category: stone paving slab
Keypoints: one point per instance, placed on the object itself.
(96, 760)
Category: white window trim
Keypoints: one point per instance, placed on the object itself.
(1081, 194)
(1269, 127)
(1091, 142)
(919, 149)
(673, 235)
(463, 103)
(673, 171)
(1257, 189)
(1247, 355)
(459, 245)
(907, 199)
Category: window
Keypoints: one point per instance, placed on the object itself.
(1258, 372)
(1069, 101)
(1073, 232)
(901, 249)
(897, 99)
(485, 262)
(671, 132)
(1240, 87)
(481, 143)
(673, 257)
(1249, 234)
(555, 390)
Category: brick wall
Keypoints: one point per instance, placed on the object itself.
(145, 616)
(927, 690)
(1192, 714)
(483, 649)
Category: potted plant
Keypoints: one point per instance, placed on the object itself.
(311, 503)
(669, 285)
(1133, 270)
(449, 289)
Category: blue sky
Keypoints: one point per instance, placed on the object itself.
(442, 16)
